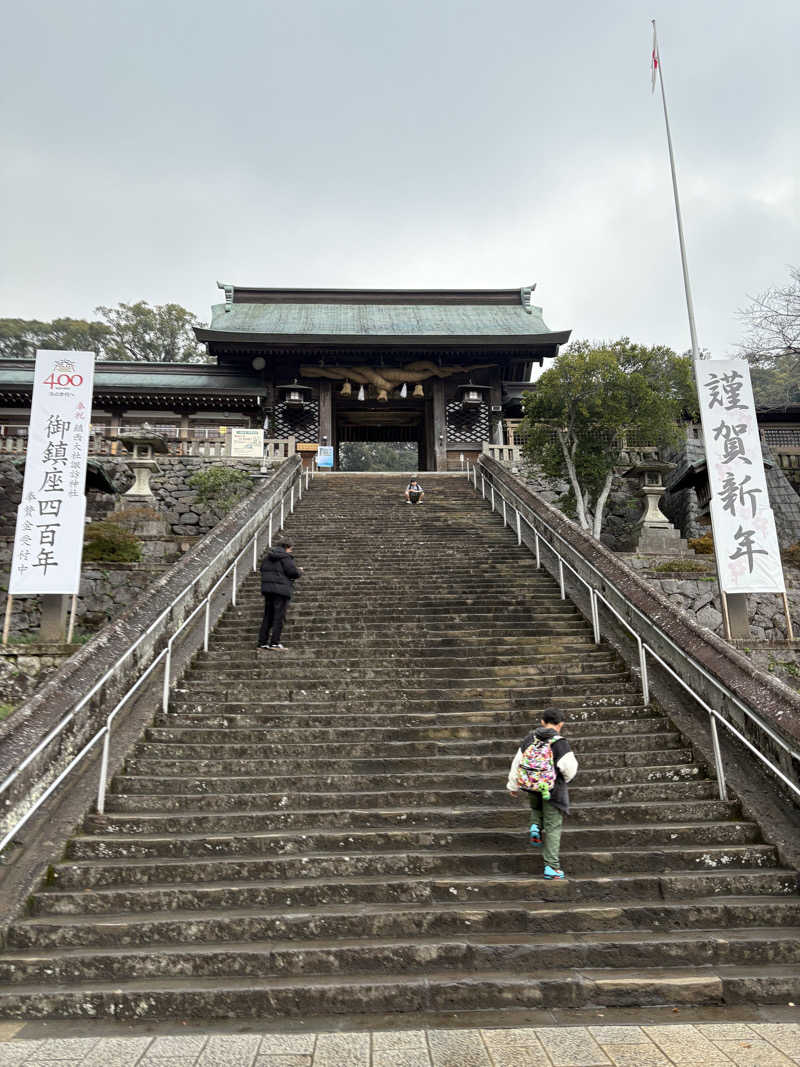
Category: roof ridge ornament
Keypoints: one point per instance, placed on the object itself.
(525, 294)
(228, 294)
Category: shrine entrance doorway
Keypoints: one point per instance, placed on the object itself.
(370, 421)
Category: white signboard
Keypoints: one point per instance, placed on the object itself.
(745, 540)
(246, 444)
(48, 544)
(325, 456)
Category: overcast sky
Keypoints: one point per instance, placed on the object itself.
(151, 147)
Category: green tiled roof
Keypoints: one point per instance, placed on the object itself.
(388, 320)
(144, 377)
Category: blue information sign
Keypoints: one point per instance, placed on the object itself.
(325, 456)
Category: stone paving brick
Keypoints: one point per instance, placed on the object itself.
(387, 1039)
(754, 1053)
(168, 1061)
(643, 1054)
(283, 1061)
(515, 1048)
(54, 1049)
(726, 1031)
(458, 1048)
(287, 1044)
(11, 1055)
(342, 1050)
(229, 1050)
(48, 1063)
(187, 1045)
(401, 1057)
(618, 1035)
(686, 1046)
(784, 1036)
(571, 1046)
(519, 1056)
(117, 1052)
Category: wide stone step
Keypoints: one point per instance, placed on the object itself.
(318, 866)
(372, 631)
(651, 792)
(339, 816)
(243, 729)
(547, 686)
(431, 991)
(488, 723)
(768, 884)
(540, 919)
(392, 658)
(278, 669)
(475, 736)
(497, 839)
(408, 775)
(619, 697)
(514, 719)
(469, 953)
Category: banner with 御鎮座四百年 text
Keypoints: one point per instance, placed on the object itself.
(48, 543)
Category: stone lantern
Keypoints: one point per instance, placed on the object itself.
(656, 534)
(143, 444)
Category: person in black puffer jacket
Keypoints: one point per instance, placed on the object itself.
(278, 571)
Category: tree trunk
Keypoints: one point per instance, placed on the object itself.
(583, 522)
(601, 503)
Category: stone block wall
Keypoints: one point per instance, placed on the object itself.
(698, 594)
(171, 488)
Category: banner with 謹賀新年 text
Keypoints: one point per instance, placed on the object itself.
(745, 539)
(48, 544)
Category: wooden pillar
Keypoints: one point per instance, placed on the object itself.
(326, 412)
(495, 401)
(439, 426)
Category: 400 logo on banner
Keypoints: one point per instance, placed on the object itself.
(64, 375)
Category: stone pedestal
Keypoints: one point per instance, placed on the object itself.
(53, 621)
(137, 510)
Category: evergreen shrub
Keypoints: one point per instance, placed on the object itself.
(108, 542)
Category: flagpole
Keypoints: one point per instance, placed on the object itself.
(689, 303)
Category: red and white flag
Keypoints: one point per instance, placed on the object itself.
(654, 62)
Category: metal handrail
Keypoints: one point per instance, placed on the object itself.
(642, 647)
(105, 731)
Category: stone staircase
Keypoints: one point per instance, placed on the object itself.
(326, 830)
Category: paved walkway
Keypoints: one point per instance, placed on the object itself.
(713, 1044)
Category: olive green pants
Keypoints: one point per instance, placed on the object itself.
(549, 820)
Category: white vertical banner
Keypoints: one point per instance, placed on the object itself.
(48, 544)
(745, 539)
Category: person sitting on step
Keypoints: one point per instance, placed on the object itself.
(542, 767)
(278, 572)
(414, 492)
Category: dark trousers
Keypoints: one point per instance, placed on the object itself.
(549, 820)
(272, 623)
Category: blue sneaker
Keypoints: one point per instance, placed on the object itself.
(535, 836)
(553, 872)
